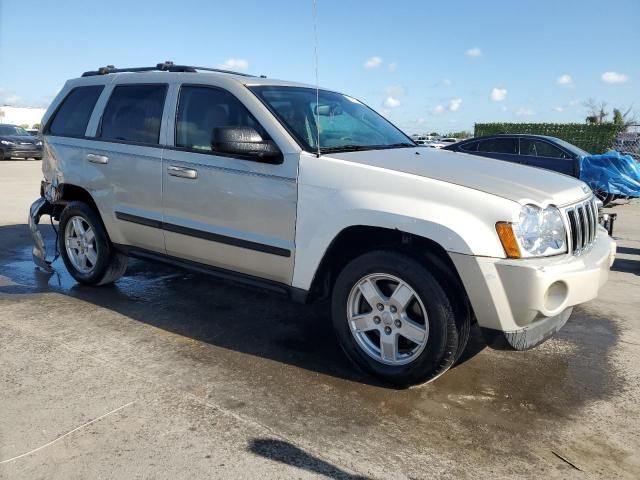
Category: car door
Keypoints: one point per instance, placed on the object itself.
(124, 163)
(541, 153)
(502, 148)
(230, 212)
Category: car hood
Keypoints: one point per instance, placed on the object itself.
(19, 138)
(512, 181)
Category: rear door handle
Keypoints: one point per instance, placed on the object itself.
(182, 172)
(100, 159)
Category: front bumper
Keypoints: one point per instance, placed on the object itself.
(18, 151)
(523, 302)
(39, 252)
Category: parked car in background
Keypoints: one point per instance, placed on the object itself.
(539, 151)
(16, 142)
(449, 140)
(32, 131)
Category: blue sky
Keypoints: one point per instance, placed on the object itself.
(426, 65)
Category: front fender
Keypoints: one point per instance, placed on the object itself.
(460, 219)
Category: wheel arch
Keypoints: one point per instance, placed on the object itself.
(356, 240)
(68, 192)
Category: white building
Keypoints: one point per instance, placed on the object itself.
(21, 115)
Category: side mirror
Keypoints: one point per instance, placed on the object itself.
(245, 141)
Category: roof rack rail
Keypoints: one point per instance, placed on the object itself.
(167, 66)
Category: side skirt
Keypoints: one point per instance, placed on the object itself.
(295, 294)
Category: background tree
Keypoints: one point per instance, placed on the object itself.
(597, 112)
(36, 126)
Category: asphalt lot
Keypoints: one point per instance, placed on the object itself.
(170, 374)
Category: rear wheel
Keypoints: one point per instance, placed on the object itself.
(85, 247)
(394, 319)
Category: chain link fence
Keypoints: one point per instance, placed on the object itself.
(628, 141)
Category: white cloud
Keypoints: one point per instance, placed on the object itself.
(498, 94)
(373, 62)
(474, 52)
(565, 80)
(391, 102)
(524, 112)
(393, 66)
(446, 82)
(614, 77)
(395, 91)
(454, 104)
(558, 109)
(10, 99)
(235, 64)
(420, 120)
(438, 109)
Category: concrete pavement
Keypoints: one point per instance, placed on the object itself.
(171, 374)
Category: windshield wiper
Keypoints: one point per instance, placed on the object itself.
(345, 148)
(357, 148)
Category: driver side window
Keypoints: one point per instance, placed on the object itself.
(203, 109)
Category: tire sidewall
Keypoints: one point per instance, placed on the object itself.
(442, 342)
(103, 246)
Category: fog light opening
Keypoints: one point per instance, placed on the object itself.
(555, 296)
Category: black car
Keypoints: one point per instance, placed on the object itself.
(16, 142)
(535, 150)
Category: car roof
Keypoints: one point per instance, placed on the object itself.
(519, 135)
(193, 74)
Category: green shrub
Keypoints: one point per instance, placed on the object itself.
(596, 138)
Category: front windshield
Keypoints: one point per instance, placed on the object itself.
(345, 124)
(572, 148)
(12, 130)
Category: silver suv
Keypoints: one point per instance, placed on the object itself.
(311, 193)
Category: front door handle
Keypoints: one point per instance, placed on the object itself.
(100, 159)
(182, 172)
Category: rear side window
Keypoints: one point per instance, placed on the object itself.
(134, 114)
(74, 112)
(469, 147)
(499, 145)
(538, 148)
(202, 109)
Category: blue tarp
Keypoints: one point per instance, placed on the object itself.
(611, 172)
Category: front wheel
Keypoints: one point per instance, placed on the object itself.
(393, 318)
(85, 247)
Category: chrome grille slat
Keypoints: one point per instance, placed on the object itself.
(581, 221)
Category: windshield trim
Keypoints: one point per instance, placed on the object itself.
(255, 89)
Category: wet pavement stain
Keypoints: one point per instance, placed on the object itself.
(493, 400)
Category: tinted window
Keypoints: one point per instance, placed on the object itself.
(469, 147)
(134, 114)
(203, 109)
(74, 113)
(499, 145)
(538, 148)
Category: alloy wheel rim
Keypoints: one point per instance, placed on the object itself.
(387, 319)
(80, 244)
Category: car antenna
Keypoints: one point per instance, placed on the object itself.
(315, 34)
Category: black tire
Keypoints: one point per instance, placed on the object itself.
(458, 297)
(110, 264)
(443, 340)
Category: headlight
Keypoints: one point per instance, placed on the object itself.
(39, 143)
(538, 233)
(6, 142)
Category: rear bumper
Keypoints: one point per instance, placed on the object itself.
(39, 251)
(523, 302)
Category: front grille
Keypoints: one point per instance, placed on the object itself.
(582, 225)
